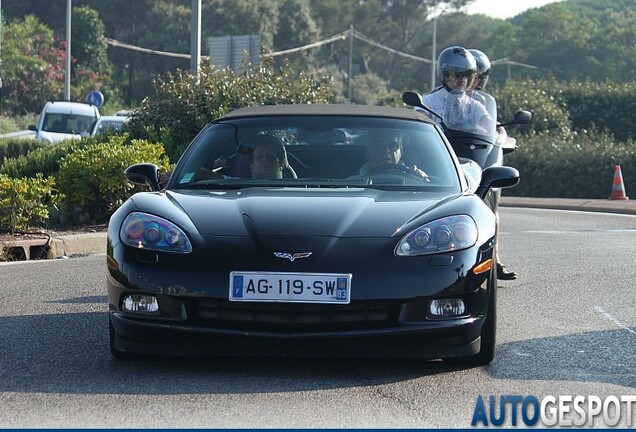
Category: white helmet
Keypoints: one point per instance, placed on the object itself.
(483, 68)
(456, 61)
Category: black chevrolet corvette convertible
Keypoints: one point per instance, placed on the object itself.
(309, 230)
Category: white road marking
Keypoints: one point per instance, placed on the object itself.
(612, 318)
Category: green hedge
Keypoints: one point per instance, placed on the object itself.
(25, 202)
(15, 147)
(582, 167)
(602, 106)
(562, 107)
(92, 178)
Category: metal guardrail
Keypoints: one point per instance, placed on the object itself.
(19, 134)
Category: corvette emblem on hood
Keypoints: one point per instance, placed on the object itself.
(292, 257)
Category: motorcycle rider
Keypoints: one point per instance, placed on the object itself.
(476, 91)
(457, 69)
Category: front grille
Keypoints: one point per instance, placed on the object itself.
(295, 317)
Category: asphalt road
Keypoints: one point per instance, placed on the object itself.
(566, 327)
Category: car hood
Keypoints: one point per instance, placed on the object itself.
(291, 212)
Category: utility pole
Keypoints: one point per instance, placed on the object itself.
(434, 49)
(195, 37)
(350, 63)
(0, 57)
(67, 73)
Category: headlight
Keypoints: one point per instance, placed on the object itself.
(145, 231)
(442, 235)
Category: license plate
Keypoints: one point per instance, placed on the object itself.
(290, 287)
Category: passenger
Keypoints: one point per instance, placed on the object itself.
(477, 89)
(268, 160)
(483, 72)
(384, 152)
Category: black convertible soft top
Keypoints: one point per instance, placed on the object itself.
(327, 110)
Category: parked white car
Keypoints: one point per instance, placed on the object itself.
(110, 124)
(61, 120)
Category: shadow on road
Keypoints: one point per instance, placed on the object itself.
(603, 356)
(68, 353)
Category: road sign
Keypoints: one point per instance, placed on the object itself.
(95, 98)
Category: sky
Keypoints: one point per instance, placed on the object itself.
(504, 8)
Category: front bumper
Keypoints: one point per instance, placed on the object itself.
(437, 339)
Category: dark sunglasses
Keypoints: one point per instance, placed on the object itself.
(466, 74)
(386, 144)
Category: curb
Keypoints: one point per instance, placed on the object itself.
(593, 205)
(78, 245)
(55, 247)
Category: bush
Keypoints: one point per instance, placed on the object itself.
(24, 202)
(92, 177)
(15, 147)
(44, 159)
(184, 103)
(582, 167)
(602, 106)
(549, 115)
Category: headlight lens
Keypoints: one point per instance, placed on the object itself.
(145, 231)
(442, 235)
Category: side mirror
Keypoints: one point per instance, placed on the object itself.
(33, 128)
(413, 99)
(144, 174)
(521, 117)
(497, 177)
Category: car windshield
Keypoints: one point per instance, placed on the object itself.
(67, 123)
(318, 151)
(103, 126)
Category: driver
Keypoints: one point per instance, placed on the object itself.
(384, 151)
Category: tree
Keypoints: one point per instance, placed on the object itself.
(556, 40)
(88, 44)
(91, 69)
(396, 24)
(240, 17)
(296, 28)
(33, 66)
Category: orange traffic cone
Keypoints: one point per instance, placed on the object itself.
(618, 188)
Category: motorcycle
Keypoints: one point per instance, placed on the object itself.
(478, 145)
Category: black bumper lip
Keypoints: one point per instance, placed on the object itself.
(156, 337)
(148, 329)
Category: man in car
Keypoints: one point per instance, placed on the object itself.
(385, 150)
